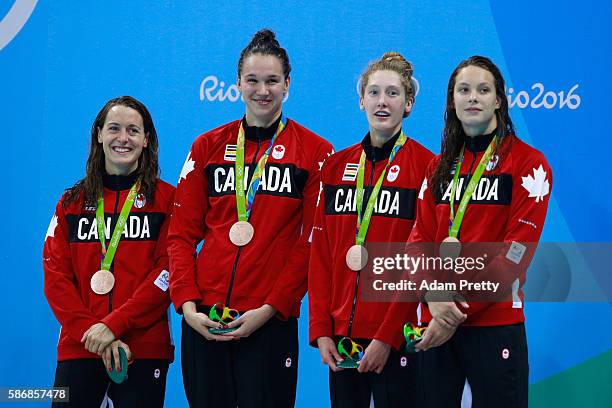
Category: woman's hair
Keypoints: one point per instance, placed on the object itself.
(390, 61)
(148, 166)
(264, 42)
(453, 136)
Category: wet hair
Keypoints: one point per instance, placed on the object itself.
(148, 165)
(391, 61)
(453, 136)
(264, 42)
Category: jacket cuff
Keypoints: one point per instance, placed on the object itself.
(180, 296)
(320, 329)
(118, 325)
(283, 304)
(78, 329)
(391, 335)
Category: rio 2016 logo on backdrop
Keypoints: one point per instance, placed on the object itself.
(14, 20)
(542, 99)
(212, 89)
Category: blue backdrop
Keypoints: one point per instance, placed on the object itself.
(61, 61)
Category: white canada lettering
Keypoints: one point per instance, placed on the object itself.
(229, 181)
(93, 231)
(219, 171)
(387, 202)
(493, 191)
(80, 233)
(273, 178)
(135, 227)
(338, 206)
(145, 232)
(486, 190)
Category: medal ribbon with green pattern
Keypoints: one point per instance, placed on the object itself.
(108, 254)
(244, 204)
(363, 220)
(455, 220)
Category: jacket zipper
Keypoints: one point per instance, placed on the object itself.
(233, 274)
(466, 181)
(471, 165)
(110, 294)
(354, 306)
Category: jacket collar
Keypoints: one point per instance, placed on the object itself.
(478, 143)
(117, 183)
(374, 153)
(258, 134)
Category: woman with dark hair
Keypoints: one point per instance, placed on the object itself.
(487, 186)
(240, 295)
(369, 192)
(106, 266)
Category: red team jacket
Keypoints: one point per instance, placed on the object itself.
(331, 284)
(273, 267)
(136, 309)
(509, 205)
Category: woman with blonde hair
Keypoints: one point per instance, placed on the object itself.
(357, 340)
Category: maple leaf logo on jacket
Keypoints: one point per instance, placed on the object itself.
(423, 188)
(51, 228)
(492, 163)
(278, 152)
(187, 167)
(140, 201)
(393, 173)
(538, 185)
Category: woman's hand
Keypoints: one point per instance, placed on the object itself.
(448, 314)
(97, 338)
(201, 323)
(435, 335)
(329, 353)
(112, 352)
(375, 357)
(250, 321)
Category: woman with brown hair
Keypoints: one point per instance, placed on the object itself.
(106, 266)
(248, 190)
(487, 186)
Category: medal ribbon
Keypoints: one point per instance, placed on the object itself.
(108, 254)
(245, 204)
(363, 220)
(455, 220)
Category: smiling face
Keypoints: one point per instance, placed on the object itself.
(475, 100)
(122, 137)
(384, 102)
(263, 85)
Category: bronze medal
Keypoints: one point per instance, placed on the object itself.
(102, 282)
(356, 257)
(450, 248)
(241, 233)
